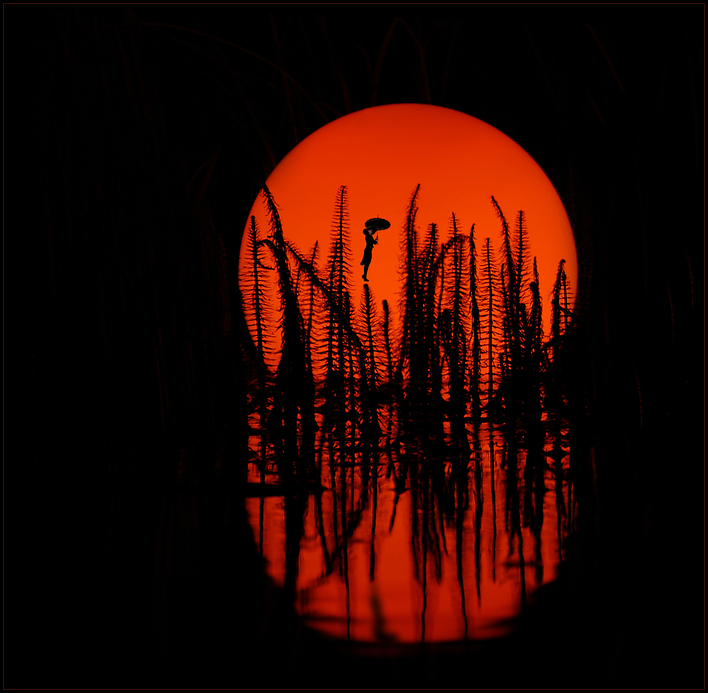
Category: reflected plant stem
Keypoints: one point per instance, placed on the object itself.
(415, 523)
(513, 506)
(539, 561)
(492, 465)
(479, 512)
(400, 480)
(393, 512)
(437, 529)
(261, 523)
(320, 523)
(295, 506)
(345, 540)
(460, 492)
(345, 555)
(560, 506)
(534, 479)
(571, 495)
(374, 512)
(343, 505)
(424, 562)
(538, 520)
(333, 486)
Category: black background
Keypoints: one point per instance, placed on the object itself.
(136, 138)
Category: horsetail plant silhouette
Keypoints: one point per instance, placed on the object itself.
(491, 310)
(368, 321)
(293, 390)
(339, 271)
(471, 347)
(476, 333)
(257, 318)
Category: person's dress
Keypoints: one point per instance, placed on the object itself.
(368, 250)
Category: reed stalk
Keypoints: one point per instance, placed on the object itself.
(476, 333)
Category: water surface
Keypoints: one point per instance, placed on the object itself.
(397, 547)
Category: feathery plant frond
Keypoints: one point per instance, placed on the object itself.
(311, 337)
(391, 389)
(523, 256)
(291, 321)
(371, 351)
(356, 385)
(533, 338)
(339, 263)
(386, 333)
(411, 288)
(256, 301)
(370, 338)
(560, 313)
(491, 316)
(453, 328)
(429, 253)
(411, 238)
(342, 313)
(455, 380)
(276, 226)
(294, 390)
(458, 300)
(346, 385)
(430, 265)
(257, 317)
(432, 307)
(554, 345)
(509, 277)
(466, 321)
(476, 330)
(514, 266)
(291, 317)
(536, 322)
(565, 297)
(338, 270)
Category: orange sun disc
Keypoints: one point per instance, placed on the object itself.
(381, 154)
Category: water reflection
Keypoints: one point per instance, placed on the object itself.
(395, 546)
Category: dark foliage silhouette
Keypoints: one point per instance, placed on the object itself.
(472, 348)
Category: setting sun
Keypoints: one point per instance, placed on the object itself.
(381, 154)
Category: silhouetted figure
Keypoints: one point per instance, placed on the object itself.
(368, 232)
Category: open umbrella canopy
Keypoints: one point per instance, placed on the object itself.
(378, 223)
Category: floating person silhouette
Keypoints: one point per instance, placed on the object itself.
(373, 226)
(371, 241)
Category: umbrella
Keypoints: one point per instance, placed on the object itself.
(378, 223)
